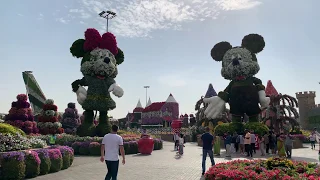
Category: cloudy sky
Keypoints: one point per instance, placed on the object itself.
(166, 43)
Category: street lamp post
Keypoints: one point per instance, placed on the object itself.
(107, 15)
(146, 87)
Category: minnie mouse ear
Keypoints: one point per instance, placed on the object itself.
(253, 42)
(219, 50)
(120, 56)
(77, 48)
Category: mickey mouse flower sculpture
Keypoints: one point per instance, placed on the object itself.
(100, 57)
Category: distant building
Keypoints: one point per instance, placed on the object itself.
(308, 110)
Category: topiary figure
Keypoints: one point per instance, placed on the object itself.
(100, 57)
(32, 161)
(48, 119)
(245, 92)
(70, 119)
(21, 116)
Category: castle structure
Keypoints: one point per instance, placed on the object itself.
(308, 110)
(154, 114)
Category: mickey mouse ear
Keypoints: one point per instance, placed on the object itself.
(77, 48)
(253, 42)
(219, 50)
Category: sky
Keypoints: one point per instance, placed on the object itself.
(166, 44)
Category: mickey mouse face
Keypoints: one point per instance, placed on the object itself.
(102, 64)
(239, 62)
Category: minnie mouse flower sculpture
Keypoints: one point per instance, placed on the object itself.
(100, 57)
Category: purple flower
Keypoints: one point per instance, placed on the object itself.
(94, 144)
(55, 154)
(44, 153)
(17, 155)
(34, 155)
(85, 144)
(65, 149)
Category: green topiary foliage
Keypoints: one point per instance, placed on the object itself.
(77, 48)
(120, 56)
(103, 128)
(13, 166)
(66, 160)
(94, 149)
(8, 129)
(56, 165)
(258, 127)
(221, 129)
(86, 129)
(32, 164)
(236, 127)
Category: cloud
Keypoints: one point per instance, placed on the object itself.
(20, 14)
(62, 20)
(40, 16)
(172, 80)
(140, 17)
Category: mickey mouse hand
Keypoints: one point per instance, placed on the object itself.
(81, 94)
(116, 90)
(264, 101)
(215, 107)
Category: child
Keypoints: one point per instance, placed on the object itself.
(181, 144)
(52, 139)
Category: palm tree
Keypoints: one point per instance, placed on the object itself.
(282, 110)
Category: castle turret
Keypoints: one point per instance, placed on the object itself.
(149, 102)
(210, 92)
(270, 89)
(171, 99)
(139, 107)
(306, 102)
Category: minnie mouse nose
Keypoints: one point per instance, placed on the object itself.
(235, 62)
(107, 60)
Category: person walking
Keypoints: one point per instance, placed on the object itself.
(288, 145)
(236, 144)
(313, 140)
(253, 141)
(266, 142)
(181, 144)
(227, 143)
(111, 143)
(207, 141)
(241, 143)
(176, 141)
(52, 139)
(247, 143)
(262, 145)
(217, 145)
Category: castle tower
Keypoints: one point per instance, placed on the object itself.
(210, 92)
(306, 102)
(174, 104)
(149, 102)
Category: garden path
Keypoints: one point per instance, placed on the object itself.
(162, 164)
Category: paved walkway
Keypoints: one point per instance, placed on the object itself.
(162, 164)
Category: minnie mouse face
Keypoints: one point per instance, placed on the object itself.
(239, 62)
(100, 54)
(102, 64)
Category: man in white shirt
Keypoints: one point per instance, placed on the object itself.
(111, 143)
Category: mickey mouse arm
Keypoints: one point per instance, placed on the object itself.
(80, 82)
(258, 83)
(224, 95)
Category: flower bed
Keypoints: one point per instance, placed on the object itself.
(19, 165)
(273, 168)
(9, 142)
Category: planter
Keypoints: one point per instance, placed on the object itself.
(145, 145)
(297, 143)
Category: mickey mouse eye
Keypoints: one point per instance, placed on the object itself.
(107, 60)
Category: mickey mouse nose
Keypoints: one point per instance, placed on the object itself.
(107, 60)
(235, 62)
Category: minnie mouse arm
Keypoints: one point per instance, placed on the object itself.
(80, 82)
(258, 83)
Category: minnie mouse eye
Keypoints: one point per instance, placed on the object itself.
(107, 60)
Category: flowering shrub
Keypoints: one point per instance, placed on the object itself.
(273, 168)
(9, 142)
(32, 162)
(70, 119)
(94, 148)
(9, 129)
(67, 156)
(56, 160)
(45, 163)
(13, 165)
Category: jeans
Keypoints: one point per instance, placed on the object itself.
(112, 167)
(288, 150)
(253, 147)
(180, 149)
(248, 149)
(204, 157)
(267, 148)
